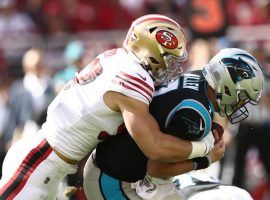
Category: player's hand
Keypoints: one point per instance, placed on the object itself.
(216, 136)
(70, 190)
(217, 131)
(217, 152)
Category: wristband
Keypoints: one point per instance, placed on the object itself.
(201, 163)
(199, 149)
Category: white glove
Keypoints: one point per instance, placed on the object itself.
(202, 147)
(209, 141)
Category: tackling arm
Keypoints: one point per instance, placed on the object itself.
(146, 133)
(166, 170)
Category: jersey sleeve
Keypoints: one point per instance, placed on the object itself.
(136, 85)
(192, 122)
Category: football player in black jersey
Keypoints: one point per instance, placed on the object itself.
(225, 85)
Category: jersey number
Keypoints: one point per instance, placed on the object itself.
(87, 75)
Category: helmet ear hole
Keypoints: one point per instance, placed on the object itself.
(153, 60)
(155, 69)
(227, 91)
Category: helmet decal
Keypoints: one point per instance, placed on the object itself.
(247, 56)
(238, 69)
(167, 39)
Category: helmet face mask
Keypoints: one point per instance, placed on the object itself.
(173, 71)
(159, 44)
(238, 79)
(238, 112)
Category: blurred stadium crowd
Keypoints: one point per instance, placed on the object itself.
(44, 42)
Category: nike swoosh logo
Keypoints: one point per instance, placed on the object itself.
(201, 125)
(143, 78)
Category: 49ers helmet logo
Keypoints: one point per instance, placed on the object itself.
(167, 39)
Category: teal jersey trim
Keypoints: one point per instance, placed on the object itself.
(111, 188)
(199, 108)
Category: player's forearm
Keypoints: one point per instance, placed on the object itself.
(171, 149)
(166, 170)
(157, 145)
(160, 146)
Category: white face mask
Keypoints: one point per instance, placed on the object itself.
(173, 71)
(238, 111)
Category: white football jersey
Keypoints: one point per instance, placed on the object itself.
(78, 117)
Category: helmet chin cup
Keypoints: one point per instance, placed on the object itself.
(238, 115)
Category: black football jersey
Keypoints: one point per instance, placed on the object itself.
(181, 108)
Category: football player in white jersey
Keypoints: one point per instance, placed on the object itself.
(115, 88)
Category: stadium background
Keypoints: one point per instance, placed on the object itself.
(70, 32)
